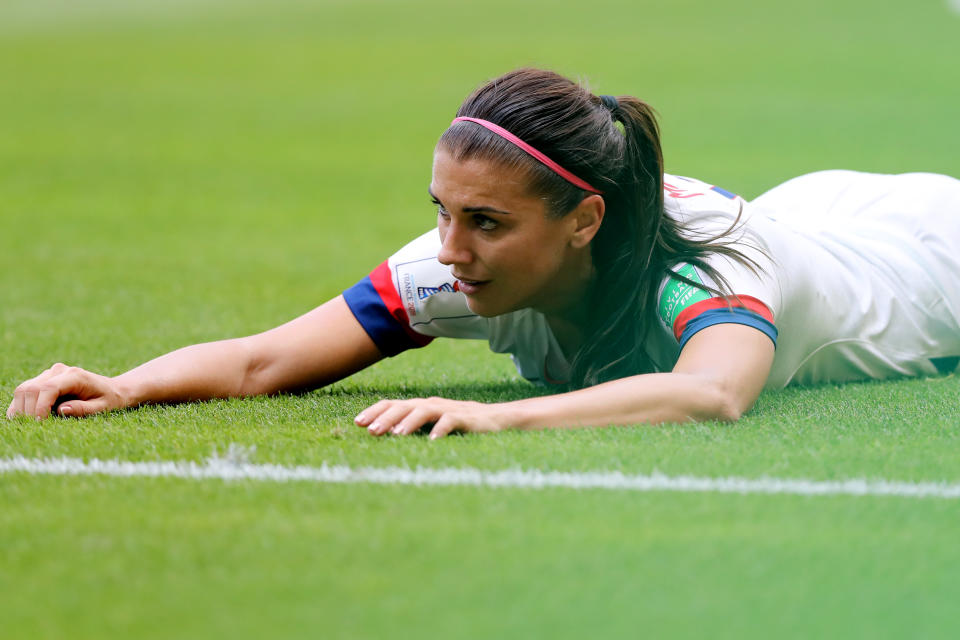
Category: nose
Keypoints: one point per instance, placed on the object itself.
(454, 244)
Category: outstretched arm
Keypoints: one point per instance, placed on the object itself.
(320, 347)
(720, 372)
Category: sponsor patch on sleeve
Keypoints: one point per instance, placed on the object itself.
(677, 295)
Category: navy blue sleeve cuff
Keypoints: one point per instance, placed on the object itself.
(389, 333)
(735, 315)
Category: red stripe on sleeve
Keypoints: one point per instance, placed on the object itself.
(759, 308)
(746, 302)
(383, 283)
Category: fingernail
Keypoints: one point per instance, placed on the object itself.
(397, 430)
(360, 419)
(66, 410)
(373, 428)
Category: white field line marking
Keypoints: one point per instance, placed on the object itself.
(229, 469)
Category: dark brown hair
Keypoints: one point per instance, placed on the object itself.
(616, 151)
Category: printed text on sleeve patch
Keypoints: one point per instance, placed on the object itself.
(678, 295)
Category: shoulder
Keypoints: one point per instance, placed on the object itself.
(423, 247)
(690, 200)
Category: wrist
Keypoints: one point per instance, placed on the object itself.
(127, 392)
(517, 415)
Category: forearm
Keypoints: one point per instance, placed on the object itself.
(718, 376)
(198, 372)
(650, 398)
(323, 345)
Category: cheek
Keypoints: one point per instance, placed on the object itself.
(542, 257)
(530, 256)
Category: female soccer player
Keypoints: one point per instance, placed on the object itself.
(657, 298)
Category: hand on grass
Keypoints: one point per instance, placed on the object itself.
(403, 417)
(80, 393)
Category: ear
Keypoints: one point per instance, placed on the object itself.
(586, 219)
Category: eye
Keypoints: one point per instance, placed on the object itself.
(484, 223)
(440, 210)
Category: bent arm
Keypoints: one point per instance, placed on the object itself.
(320, 347)
(720, 372)
(719, 375)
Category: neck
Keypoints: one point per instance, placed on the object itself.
(568, 308)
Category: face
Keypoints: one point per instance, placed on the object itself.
(504, 250)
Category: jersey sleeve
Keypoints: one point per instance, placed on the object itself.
(687, 309)
(410, 298)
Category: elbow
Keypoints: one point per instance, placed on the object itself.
(728, 411)
(726, 405)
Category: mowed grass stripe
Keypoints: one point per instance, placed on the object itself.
(230, 469)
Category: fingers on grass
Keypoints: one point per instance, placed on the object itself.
(46, 398)
(16, 407)
(40, 394)
(389, 419)
(82, 408)
(30, 401)
(369, 415)
(31, 397)
(377, 422)
(414, 420)
(444, 427)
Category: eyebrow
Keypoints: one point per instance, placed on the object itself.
(480, 209)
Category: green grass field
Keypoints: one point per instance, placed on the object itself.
(174, 172)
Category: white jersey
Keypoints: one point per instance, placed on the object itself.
(858, 277)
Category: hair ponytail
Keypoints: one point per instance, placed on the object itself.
(625, 255)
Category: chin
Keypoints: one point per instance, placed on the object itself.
(487, 310)
(483, 310)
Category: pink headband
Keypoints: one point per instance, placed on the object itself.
(506, 135)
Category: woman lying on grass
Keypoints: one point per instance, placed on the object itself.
(657, 298)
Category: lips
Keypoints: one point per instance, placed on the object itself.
(468, 286)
